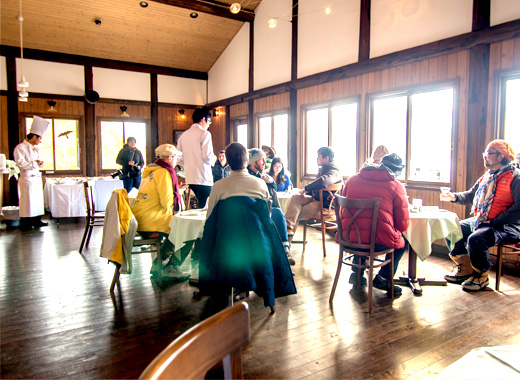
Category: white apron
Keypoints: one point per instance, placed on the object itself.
(30, 187)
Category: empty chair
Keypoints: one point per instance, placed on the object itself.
(512, 248)
(94, 218)
(349, 248)
(216, 339)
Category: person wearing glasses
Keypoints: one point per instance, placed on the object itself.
(495, 199)
(197, 155)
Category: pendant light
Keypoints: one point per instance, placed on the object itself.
(22, 83)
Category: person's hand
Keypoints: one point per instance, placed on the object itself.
(39, 162)
(131, 162)
(447, 197)
(267, 178)
(303, 191)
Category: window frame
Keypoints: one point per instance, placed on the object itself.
(82, 157)
(500, 105)
(305, 175)
(235, 122)
(408, 92)
(99, 155)
(273, 141)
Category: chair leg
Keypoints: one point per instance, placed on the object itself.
(159, 262)
(323, 238)
(499, 267)
(304, 236)
(392, 274)
(90, 228)
(370, 285)
(84, 237)
(115, 279)
(336, 278)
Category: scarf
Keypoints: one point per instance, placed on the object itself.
(175, 182)
(484, 196)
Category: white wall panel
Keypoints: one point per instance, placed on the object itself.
(504, 11)
(181, 90)
(3, 74)
(52, 78)
(272, 46)
(401, 24)
(229, 76)
(327, 41)
(119, 84)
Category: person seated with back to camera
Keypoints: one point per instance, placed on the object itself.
(378, 181)
(153, 207)
(256, 168)
(277, 172)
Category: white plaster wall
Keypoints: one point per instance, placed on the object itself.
(51, 77)
(119, 84)
(401, 24)
(272, 46)
(3, 74)
(504, 11)
(181, 90)
(229, 76)
(327, 41)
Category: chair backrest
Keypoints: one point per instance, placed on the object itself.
(89, 199)
(355, 210)
(329, 192)
(218, 338)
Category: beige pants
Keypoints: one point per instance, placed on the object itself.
(301, 207)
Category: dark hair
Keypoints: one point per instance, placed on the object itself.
(270, 151)
(130, 139)
(236, 156)
(280, 178)
(222, 151)
(326, 152)
(31, 135)
(201, 113)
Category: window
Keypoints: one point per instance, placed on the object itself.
(113, 137)
(274, 131)
(59, 149)
(334, 126)
(240, 131)
(418, 126)
(510, 112)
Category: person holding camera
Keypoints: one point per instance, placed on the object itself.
(132, 161)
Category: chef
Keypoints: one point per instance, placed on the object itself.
(30, 187)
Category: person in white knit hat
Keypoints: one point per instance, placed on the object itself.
(30, 186)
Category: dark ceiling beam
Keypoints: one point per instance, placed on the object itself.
(42, 55)
(481, 14)
(211, 7)
(449, 45)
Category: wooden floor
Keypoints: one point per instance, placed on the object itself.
(58, 319)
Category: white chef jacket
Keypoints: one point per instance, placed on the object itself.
(197, 155)
(30, 187)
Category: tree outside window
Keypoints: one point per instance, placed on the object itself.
(60, 148)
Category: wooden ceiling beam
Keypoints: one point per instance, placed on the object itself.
(211, 7)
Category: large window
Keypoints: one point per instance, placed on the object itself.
(510, 114)
(334, 126)
(240, 131)
(113, 137)
(274, 131)
(418, 126)
(59, 149)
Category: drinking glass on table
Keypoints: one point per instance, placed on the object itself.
(446, 194)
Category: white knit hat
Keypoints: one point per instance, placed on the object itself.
(255, 154)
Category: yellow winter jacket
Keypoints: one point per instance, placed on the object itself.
(153, 207)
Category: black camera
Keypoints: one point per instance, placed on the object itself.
(134, 169)
(117, 173)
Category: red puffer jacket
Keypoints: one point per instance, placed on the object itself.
(393, 216)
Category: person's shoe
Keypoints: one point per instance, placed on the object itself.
(153, 269)
(384, 284)
(479, 281)
(353, 280)
(463, 270)
(290, 258)
(173, 273)
(38, 223)
(290, 232)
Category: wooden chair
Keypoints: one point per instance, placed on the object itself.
(512, 247)
(94, 218)
(216, 339)
(327, 219)
(350, 248)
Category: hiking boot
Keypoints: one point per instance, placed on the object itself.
(290, 232)
(173, 273)
(478, 281)
(384, 284)
(353, 280)
(153, 269)
(290, 259)
(464, 270)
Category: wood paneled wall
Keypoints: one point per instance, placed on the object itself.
(272, 103)
(239, 110)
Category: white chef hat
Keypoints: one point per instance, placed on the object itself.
(39, 126)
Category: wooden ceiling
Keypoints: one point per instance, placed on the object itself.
(162, 34)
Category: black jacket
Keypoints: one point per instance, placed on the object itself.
(327, 175)
(125, 156)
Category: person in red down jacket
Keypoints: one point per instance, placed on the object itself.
(378, 181)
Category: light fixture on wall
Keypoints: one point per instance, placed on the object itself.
(235, 8)
(182, 115)
(123, 111)
(22, 83)
(51, 108)
(215, 112)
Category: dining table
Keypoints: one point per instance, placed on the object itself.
(426, 226)
(185, 228)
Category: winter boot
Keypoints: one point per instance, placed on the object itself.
(464, 270)
(478, 281)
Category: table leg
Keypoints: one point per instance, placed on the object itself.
(411, 280)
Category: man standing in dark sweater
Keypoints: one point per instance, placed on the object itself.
(306, 204)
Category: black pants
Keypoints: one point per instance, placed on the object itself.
(477, 243)
(202, 194)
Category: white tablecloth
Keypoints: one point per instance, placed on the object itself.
(67, 199)
(284, 199)
(428, 226)
(186, 226)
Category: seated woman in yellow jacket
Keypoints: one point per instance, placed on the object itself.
(157, 198)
